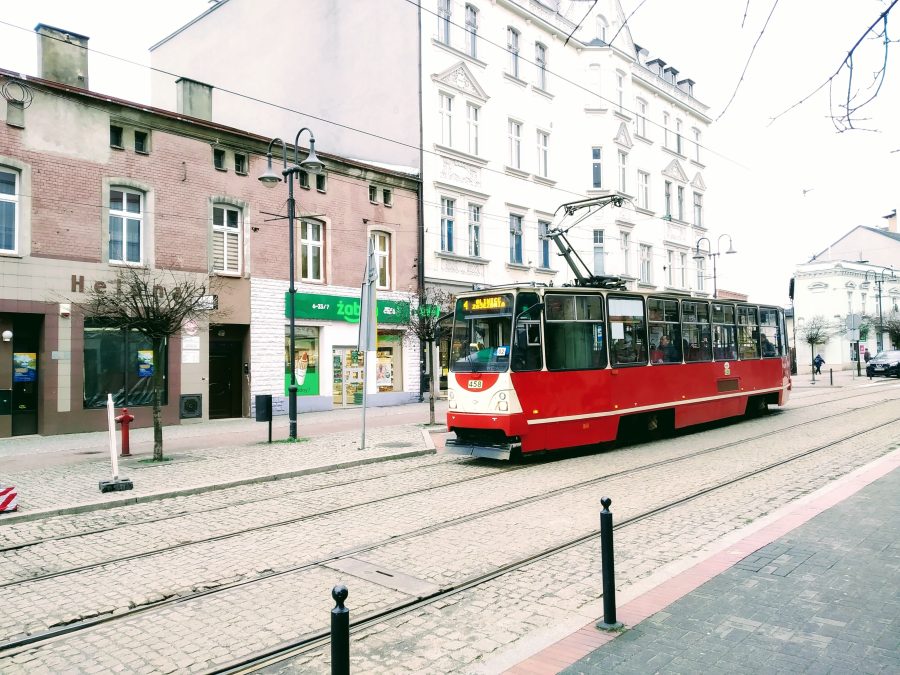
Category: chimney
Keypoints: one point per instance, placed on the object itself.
(891, 219)
(194, 99)
(62, 56)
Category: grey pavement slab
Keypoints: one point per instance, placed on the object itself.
(823, 599)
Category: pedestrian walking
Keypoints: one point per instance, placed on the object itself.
(818, 362)
(866, 355)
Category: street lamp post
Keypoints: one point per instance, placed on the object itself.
(879, 278)
(699, 254)
(311, 164)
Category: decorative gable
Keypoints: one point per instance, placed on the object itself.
(623, 138)
(698, 183)
(459, 77)
(675, 171)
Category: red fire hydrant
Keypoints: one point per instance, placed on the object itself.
(125, 419)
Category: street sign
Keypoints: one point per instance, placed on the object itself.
(853, 322)
(853, 334)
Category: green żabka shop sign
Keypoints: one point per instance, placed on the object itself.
(341, 308)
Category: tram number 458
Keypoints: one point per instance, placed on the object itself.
(476, 384)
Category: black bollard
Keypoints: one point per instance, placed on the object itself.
(340, 632)
(606, 560)
(831, 376)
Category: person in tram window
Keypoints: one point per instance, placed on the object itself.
(656, 355)
(768, 349)
(669, 350)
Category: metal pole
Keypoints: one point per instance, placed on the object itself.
(880, 336)
(340, 632)
(292, 388)
(715, 283)
(362, 440)
(606, 560)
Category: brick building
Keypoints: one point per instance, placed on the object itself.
(89, 183)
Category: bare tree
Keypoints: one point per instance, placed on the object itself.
(892, 326)
(430, 306)
(157, 305)
(816, 331)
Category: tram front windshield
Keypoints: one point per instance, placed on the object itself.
(482, 327)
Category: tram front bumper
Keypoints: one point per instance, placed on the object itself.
(489, 451)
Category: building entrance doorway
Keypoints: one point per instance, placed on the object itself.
(349, 365)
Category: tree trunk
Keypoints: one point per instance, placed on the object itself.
(812, 355)
(157, 396)
(431, 382)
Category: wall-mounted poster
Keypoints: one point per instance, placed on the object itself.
(24, 366)
(145, 362)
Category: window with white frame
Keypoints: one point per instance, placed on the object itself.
(678, 140)
(596, 172)
(602, 26)
(382, 241)
(643, 189)
(226, 239)
(126, 223)
(9, 210)
(475, 230)
(599, 253)
(697, 145)
(646, 263)
(667, 199)
(446, 113)
(623, 171)
(670, 267)
(472, 112)
(515, 239)
(540, 64)
(311, 240)
(543, 244)
(701, 274)
(512, 46)
(443, 33)
(543, 150)
(625, 243)
(684, 260)
(515, 144)
(447, 217)
(680, 202)
(620, 91)
(698, 209)
(666, 132)
(472, 31)
(640, 120)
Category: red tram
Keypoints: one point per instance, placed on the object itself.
(537, 368)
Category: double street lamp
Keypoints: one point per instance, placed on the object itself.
(270, 178)
(700, 254)
(879, 278)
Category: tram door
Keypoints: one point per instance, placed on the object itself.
(349, 365)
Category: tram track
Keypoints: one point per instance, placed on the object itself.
(58, 630)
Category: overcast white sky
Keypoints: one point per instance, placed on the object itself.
(756, 171)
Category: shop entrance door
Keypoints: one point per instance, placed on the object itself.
(349, 365)
(224, 379)
(25, 389)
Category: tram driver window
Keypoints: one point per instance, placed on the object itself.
(526, 351)
(695, 329)
(574, 332)
(770, 336)
(627, 332)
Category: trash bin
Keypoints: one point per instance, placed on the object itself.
(264, 407)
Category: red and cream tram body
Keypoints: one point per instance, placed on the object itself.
(541, 368)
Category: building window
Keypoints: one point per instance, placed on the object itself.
(602, 25)
(226, 239)
(698, 209)
(122, 363)
(472, 111)
(644, 189)
(142, 142)
(373, 194)
(116, 134)
(697, 145)
(620, 91)
(512, 46)
(444, 21)
(446, 112)
(667, 199)
(599, 254)
(515, 239)
(666, 133)
(475, 230)
(311, 232)
(472, 31)
(646, 264)
(596, 173)
(240, 163)
(219, 159)
(9, 211)
(125, 226)
(320, 182)
(540, 63)
(678, 143)
(382, 242)
(625, 242)
(515, 144)
(544, 244)
(640, 120)
(303, 179)
(387, 196)
(684, 270)
(623, 171)
(680, 202)
(447, 218)
(670, 268)
(543, 149)
(701, 274)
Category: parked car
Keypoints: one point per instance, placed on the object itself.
(885, 363)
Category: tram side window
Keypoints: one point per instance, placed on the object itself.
(574, 332)
(748, 333)
(695, 328)
(665, 331)
(627, 332)
(769, 333)
(527, 342)
(724, 343)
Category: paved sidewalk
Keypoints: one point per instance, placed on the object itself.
(815, 591)
(61, 474)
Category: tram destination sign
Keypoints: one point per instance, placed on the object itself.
(322, 307)
(484, 305)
